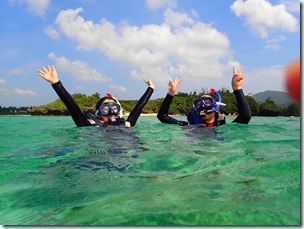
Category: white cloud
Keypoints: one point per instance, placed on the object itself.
(273, 43)
(25, 92)
(292, 6)
(4, 91)
(263, 78)
(16, 71)
(160, 4)
(38, 7)
(12, 2)
(2, 81)
(194, 49)
(273, 47)
(79, 70)
(194, 13)
(176, 19)
(277, 39)
(52, 32)
(263, 17)
(116, 88)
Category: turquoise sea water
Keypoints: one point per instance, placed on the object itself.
(53, 173)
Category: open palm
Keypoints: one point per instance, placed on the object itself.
(49, 74)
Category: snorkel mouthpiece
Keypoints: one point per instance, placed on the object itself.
(203, 114)
(114, 121)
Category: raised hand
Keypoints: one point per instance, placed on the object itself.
(237, 79)
(49, 74)
(149, 83)
(173, 85)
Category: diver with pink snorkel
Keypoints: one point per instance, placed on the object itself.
(205, 111)
(108, 109)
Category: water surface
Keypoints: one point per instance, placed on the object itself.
(54, 173)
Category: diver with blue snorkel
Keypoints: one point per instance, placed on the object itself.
(205, 111)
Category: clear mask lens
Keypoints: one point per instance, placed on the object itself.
(108, 109)
(204, 104)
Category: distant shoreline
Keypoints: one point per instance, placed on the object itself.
(151, 114)
(15, 115)
(144, 115)
(126, 114)
(148, 114)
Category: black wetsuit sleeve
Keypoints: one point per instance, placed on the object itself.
(77, 115)
(162, 114)
(244, 112)
(135, 113)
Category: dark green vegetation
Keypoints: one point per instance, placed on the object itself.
(181, 104)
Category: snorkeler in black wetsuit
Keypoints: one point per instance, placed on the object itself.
(108, 108)
(205, 110)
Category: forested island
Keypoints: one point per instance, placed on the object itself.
(181, 105)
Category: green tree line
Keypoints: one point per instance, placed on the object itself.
(12, 110)
(181, 105)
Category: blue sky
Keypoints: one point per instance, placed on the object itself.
(112, 46)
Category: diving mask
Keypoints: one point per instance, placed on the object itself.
(204, 103)
(207, 105)
(108, 109)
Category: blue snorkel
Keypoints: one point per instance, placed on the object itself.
(218, 103)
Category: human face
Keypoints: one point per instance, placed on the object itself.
(107, 109)
(204, 103)
(106, 106)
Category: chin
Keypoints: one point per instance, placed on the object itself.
(208, 117)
